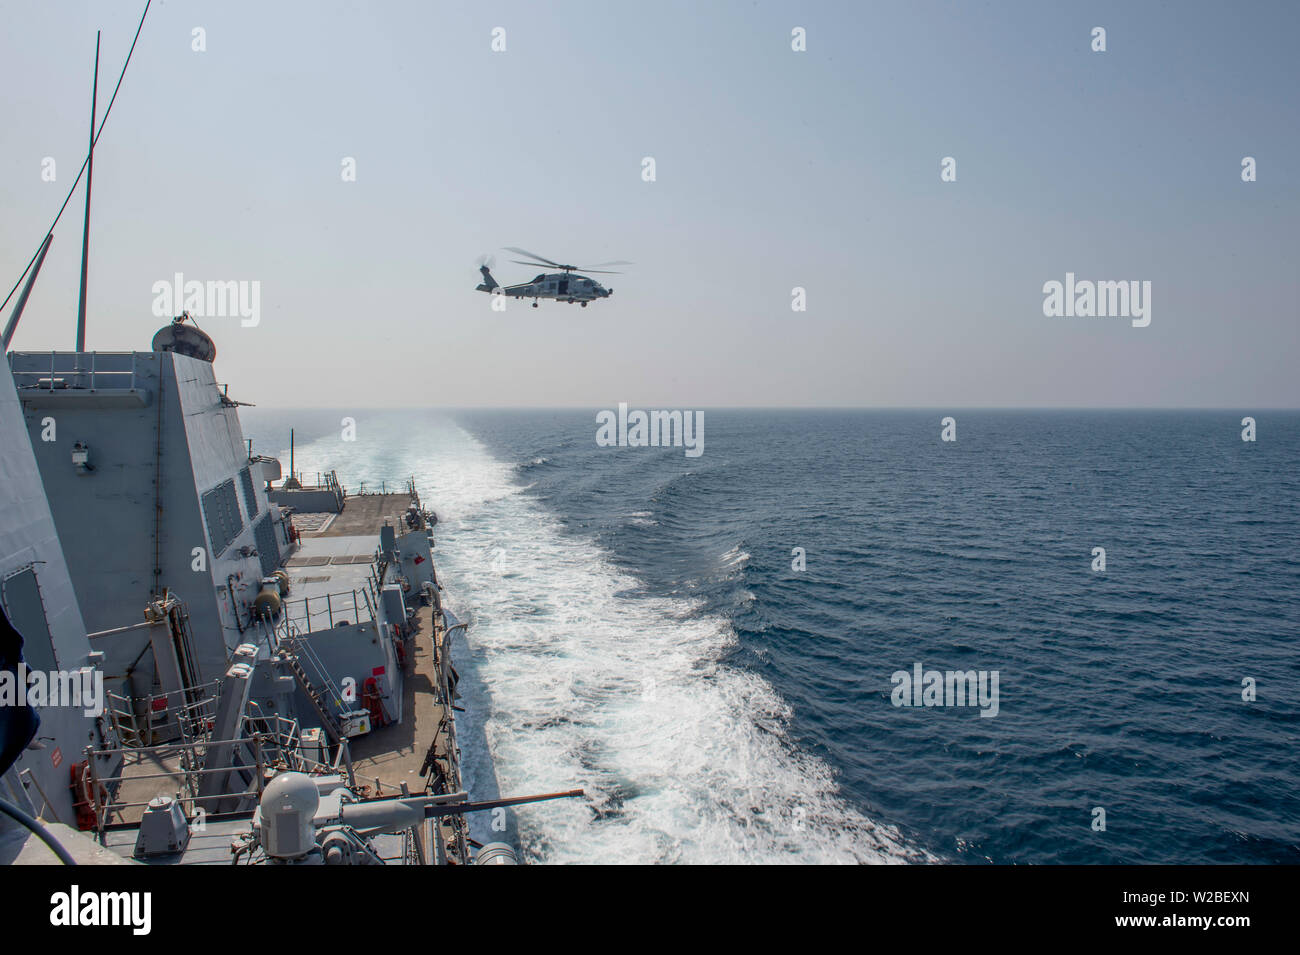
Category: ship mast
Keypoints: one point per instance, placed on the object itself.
(85, 229)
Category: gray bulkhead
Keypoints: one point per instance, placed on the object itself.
(39, 600)
(168, 500)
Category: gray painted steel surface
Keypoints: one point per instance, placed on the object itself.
(31, 557)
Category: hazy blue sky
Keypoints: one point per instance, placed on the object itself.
(775, 169)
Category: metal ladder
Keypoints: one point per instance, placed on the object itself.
(292, 648)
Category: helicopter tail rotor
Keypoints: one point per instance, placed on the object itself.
(488, 284)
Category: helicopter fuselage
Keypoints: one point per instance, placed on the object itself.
(560, 286)
(566, 285)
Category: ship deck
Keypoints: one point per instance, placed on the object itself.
(392, 756)
(364, 514)
(334, 555)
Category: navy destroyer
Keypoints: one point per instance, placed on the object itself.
(204, 660)
(234, 640)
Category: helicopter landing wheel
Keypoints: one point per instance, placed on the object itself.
(534, 304)
(584, 304)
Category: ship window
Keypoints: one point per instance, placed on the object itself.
(25, 610)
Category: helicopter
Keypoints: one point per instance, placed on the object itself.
(563, 286)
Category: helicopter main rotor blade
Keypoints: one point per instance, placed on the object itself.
(542, 265)
(603, 264)
(541, 259)
(599, 272)
(567, 268)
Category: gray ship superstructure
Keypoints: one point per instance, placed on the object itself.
(38, 601)
(152, 491)
(256, 642)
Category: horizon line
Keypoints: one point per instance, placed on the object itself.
(918, 408)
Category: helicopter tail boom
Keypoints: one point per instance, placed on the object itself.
(489, 283)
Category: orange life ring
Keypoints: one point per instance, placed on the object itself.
(83, 796)
(372, 701)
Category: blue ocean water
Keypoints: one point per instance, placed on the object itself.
(639, 629)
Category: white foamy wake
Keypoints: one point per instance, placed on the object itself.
(576, 680)
(735, 557)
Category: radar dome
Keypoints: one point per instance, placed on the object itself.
(185, 340)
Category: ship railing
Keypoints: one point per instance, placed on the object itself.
(327, 481)
(81, 371)
(283, 737)
(314, 614)
(181, 782)
(139, 720)
(332, 483)
(282, 744)
(279, 732)
(442, 664)
(291, 640)
(177, 769)
(315, 668)
(408, 489)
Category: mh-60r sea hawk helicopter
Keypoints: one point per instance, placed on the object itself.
(563, 286)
